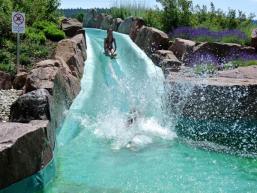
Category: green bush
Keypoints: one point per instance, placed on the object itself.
(80, 17)
(35, 35)
(9, 67)
(54, 34)
(51, 31)
(25, 60)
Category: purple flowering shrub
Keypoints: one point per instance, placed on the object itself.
(206, 35)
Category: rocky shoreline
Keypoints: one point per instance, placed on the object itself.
(7, 98)
(36, 111)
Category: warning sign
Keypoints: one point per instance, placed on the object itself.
(18, 22)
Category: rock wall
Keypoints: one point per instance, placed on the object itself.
(27, 145)
(220, 109)
(23, 150)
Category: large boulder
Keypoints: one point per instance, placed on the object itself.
(167, 60)
(182, 47)
(66, 88)
(70, 51)
(5, 81)
(249, 72)
(218, 53)
(116, 23)
(31, 106)
(137, 24)
(42, 76)
(20, 80)
(107, 22)
(81, 44)
(94, 20)
(126, 25)
(254, 39)
(218, 109)
(151, 39)
(71, 26)
(24, 150)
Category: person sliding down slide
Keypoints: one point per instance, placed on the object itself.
(110, 44)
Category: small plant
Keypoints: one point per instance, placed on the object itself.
(244, 63)
(205, 69)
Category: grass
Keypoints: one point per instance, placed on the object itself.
(244, 63)
(210, 69)
(126, 8)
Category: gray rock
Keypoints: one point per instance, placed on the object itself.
(167, 61)
(66, 88)
(182, 47)
(254, 39)
(126, 25)
(94, 20)
(71, 26)
(150, 39)
(107, 22)
(5, 81)
(70, 50)
(42, 76)
(20, 80)
(31, 106)
(116, 23)
(81, 44)
(24, 150)
(137, 24)
(217, 53)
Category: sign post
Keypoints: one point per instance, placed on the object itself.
(18, 27)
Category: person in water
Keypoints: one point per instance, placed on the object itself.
(132, 118)
(110, 44)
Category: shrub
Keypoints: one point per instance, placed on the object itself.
(80, 17)
(25, 60)
(9, 68)
(35, 35)
(53, 33)
(50, 30)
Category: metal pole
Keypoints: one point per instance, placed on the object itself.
(18, 52)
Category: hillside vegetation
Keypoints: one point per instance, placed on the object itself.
(180, 18)
(41, 32)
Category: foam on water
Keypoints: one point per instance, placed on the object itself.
(115, 128)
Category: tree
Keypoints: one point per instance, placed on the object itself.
(176, 13)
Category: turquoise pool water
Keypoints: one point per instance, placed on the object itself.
(99, 152)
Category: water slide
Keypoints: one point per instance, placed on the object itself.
(100, 150)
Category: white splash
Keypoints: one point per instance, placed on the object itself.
(115, 127)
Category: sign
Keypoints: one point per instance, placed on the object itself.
(18, 22)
